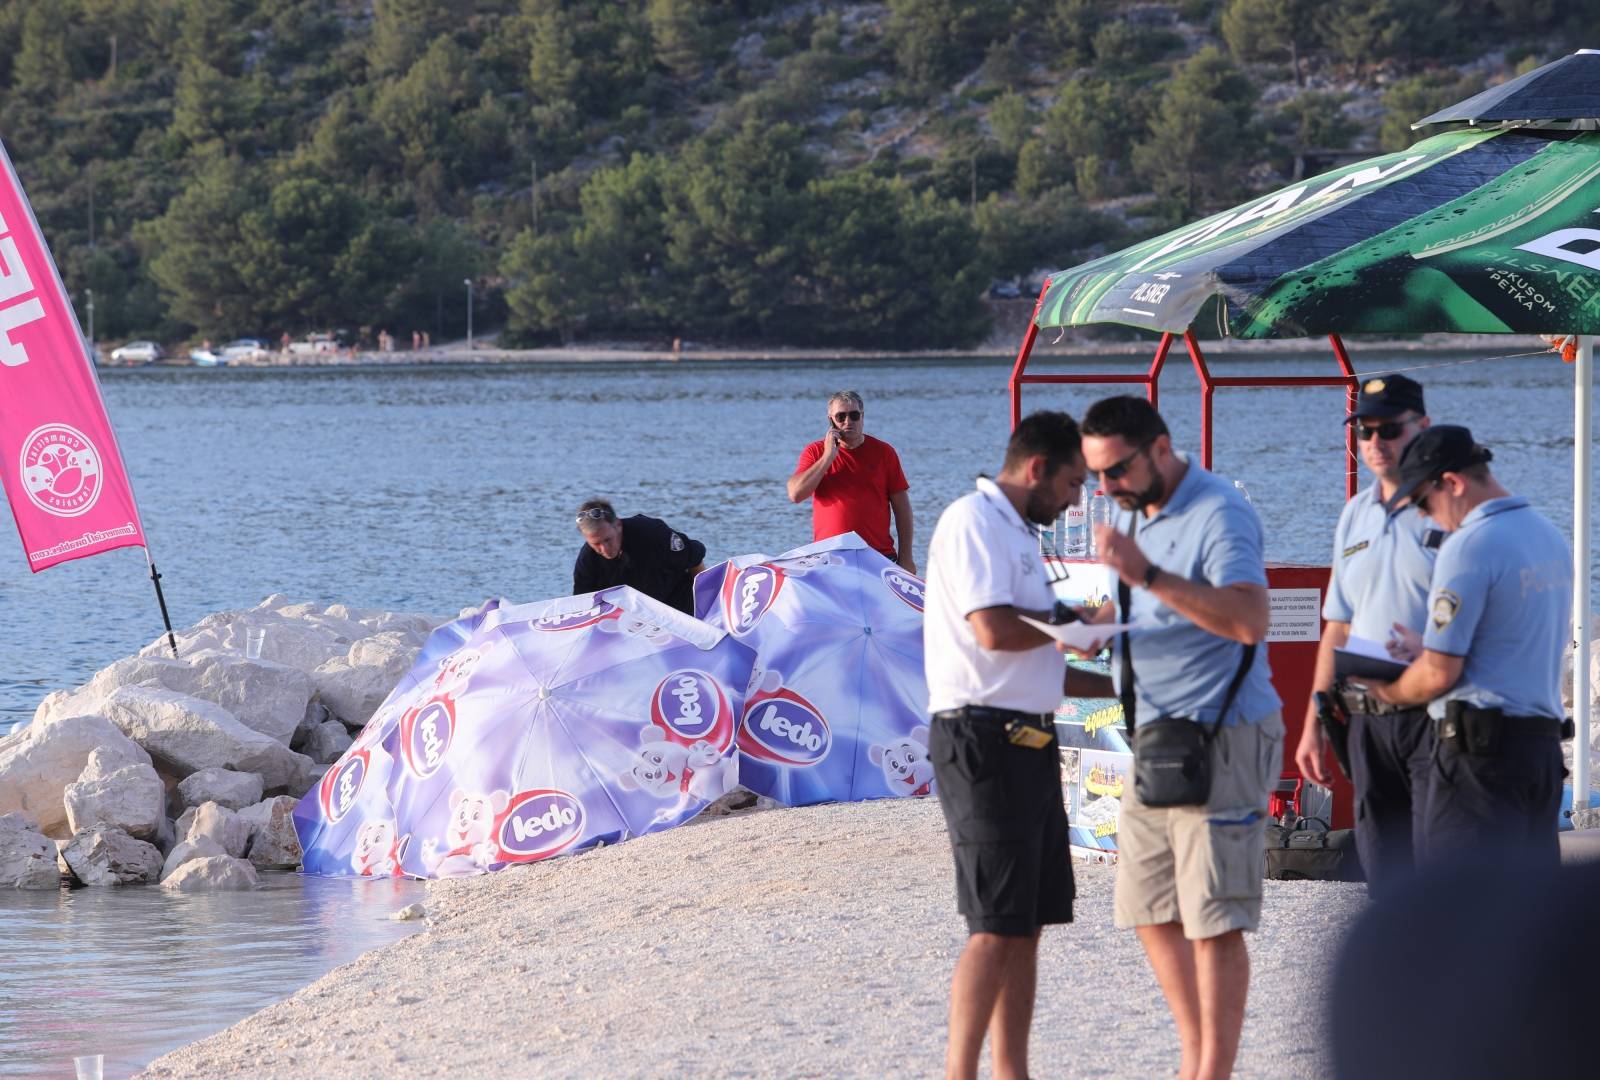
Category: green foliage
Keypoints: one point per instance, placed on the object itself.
(1409, 100)
(940, 40)
(1012, 122)
(1052, 229)
(1093, 124)
(1201, 135)
(1270, 29)
(1315, 120)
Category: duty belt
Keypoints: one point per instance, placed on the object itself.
(1358, 701)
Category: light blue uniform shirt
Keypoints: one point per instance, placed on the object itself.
(1502, 598)
(1382, 565)
(1209, 533)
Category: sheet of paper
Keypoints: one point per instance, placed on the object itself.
(1367, 647)
(1081, 635)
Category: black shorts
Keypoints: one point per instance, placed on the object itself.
(1008, 827)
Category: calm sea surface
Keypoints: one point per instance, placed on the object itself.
(433, 488)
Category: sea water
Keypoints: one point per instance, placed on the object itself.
(431, 488)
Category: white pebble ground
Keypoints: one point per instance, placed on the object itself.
(815, 942)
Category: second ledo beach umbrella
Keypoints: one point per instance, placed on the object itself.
(838, 706)
(550, 728)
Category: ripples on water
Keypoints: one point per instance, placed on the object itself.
(132, 973)
(433, 488)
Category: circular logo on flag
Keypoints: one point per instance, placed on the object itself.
(908, 587)
(60, 470)
(538, 824)
(748, 593)
(782, 728)
(690, 706)
(425, 735)
(341, 784)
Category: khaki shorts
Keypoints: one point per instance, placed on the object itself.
(1202, 865)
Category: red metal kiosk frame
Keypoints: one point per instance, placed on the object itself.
(1293, 663)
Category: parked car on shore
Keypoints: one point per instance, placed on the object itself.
(316, 344)
(244, 350)
(207, 355)
(137, 352)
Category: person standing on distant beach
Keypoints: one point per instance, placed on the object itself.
(993, 686)
(1192, 578)
(1382, 564)
(853, 482)
(643, 552)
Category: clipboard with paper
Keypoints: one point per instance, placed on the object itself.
(1364, 660)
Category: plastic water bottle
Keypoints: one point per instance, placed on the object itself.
(1102, 511)
(1077, 538)
(1244, 491)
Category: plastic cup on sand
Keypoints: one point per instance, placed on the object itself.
(253, 641)
(90, 1066)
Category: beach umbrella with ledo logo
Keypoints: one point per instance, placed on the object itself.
(837, 709)
(549, 728)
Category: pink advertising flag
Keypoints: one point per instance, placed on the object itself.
(59, 460)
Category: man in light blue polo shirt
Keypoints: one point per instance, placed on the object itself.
(1189, 877)
(1499, 619)
(1382, 564)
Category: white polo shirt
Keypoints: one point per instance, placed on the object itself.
(984, 555)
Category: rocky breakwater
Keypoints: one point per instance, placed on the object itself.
(184, 770)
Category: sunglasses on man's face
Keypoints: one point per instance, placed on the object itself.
(1120, 469)
(846, 416)
(1421, 501)
(1387, 432)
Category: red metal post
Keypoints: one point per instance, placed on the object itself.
(1018, 368)
(1208, 390)
(1349, 411)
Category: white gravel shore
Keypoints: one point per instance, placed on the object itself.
(812, 942)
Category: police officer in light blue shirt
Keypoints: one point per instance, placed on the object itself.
(1499, 615)
(1382, 564)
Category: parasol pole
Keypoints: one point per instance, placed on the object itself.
(1583, 444)
(155, 579)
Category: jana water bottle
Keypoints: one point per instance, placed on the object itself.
(1101, 512)
(1077, 538)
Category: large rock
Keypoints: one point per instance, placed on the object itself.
(225, 787)
(127, 797)
(265, 697)
(199, 848)
(353, 686)
(27, 856)
(184, 735)
(327, 742)
(274, 845)
(220, 824)
(105, 856)
(212, 874)
(40, 760)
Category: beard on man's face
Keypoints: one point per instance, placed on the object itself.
(1139, 500)
(1041, 508)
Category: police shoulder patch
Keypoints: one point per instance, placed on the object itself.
(1445, 606)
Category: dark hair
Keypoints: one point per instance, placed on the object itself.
(599, 504)
(1132, 419)
(1053, 434)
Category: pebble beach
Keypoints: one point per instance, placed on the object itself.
(814, 942)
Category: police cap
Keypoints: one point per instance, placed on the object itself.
(1385, 396)
(1440, 449)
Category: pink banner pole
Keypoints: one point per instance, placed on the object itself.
(60, 464)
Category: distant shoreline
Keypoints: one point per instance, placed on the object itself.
(1487, 344)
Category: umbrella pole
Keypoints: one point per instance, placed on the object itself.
(155, 579)
(1583, 444)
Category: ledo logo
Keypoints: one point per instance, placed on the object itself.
(425, 735)
(538, 824)
(577, 620)
(748, 594)
(689, 705)
(906, 586)
(60, 470)
(342, 784)
(784, 728)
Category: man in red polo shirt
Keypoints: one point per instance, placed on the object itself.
(854, 481)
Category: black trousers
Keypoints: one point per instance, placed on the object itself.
(1510, 799)
(1391, 757)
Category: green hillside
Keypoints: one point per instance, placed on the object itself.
(742, 170)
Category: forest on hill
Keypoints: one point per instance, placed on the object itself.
(738, 170)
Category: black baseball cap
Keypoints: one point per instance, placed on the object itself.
(1383, 397)
(1440, 449)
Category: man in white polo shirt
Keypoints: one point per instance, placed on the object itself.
(993, 686)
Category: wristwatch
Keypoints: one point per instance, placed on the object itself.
(1150, 574)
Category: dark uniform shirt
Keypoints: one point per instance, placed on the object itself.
(654, 559)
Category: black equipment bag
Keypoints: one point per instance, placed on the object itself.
(1309, 851)
(1171, 754)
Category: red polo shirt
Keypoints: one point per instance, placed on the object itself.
(854, 493)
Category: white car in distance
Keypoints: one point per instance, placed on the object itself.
(243, 350)
(137, 352)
